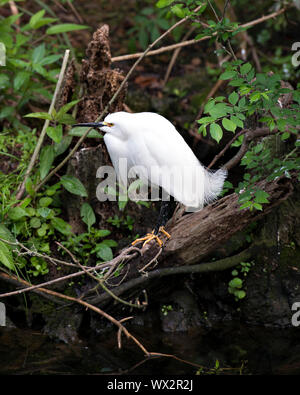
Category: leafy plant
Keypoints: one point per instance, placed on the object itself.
(165, 309)
(87, 245)
(147, 26)
(29, 67)
(235, 286)
(123, 221)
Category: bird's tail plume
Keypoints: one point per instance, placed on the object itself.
(214, 181)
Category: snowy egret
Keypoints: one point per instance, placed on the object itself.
(150, 143)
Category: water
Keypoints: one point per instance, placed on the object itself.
(238, 348)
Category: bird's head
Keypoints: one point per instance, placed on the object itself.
(116, 123)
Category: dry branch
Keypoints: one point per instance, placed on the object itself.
(192, 42)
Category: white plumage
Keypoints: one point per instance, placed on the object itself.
(152, 145)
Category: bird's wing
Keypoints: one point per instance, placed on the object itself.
(170, 163)
(119, 152)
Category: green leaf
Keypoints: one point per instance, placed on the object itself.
(104, 252)
(246, 205)
(236, 82)
(65, 109)
(258, 206)
(16, 213)
(73, 185)
(46, 159)
(6, 112)
(227, 75)
(143, 38)
(233, 98)
(66, 119)
(38, 53)
(4, 81)
(255, 97)
(49, 59)
(261, 196)
(102, 233)
(240, 294)
(18, 63)
(44, 21)
(6, 234)
(62, 226)
(110, 243)
(29, 187)
(20, 79)
(40, 115)
(220, 110)
(87, 215)
(29, 210)
(63, 145)
(178, 11)
(42, 230)
(206, 119)
(45, 201)
(236, 283)
(65, 27)
(44, 212)
(55, 133)
(79, 131)
(216, 132)
(237, 121)
(6, 256)
(35, 18)
(163, 3)
(209, 105)
(285, 136)
(228, 125)
(245, 68)
(35, 223)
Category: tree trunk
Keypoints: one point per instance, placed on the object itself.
(194, 237)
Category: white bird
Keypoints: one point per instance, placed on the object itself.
(152, 145)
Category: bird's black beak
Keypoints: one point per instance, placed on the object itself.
(90, 124)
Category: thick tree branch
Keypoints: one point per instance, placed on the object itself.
(250, 135)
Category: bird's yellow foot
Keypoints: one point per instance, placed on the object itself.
(152, 236)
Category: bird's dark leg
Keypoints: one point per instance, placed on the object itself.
(166, 210)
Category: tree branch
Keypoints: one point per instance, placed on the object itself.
(192, 42)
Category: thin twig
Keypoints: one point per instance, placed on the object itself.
(249, 136)
(75, 12)
(89, 306)
(224, 10)
(112, 264)
(142, 270)
(100, 281)
(191, 42)
(175, 56)
(227, 146)
(213, 10)
(46, 124)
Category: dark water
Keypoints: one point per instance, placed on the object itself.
(239, 349)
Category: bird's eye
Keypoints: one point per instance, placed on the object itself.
(110, 124)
